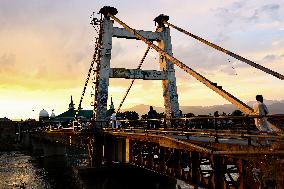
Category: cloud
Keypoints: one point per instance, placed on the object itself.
(271, 58)
(243, 11)
(7, 60)
(204, 60)
(270, 10)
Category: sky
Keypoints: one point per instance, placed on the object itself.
(46, 48)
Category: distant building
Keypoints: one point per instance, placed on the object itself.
(43, 116)
(71, 105)
(4, 119)
(69, 115)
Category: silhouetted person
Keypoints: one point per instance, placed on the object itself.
(216, 114)
(152, 114)
(260, 109)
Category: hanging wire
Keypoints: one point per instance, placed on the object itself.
(94, 22)
(139, 66)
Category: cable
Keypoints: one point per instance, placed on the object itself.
(139, 66)
(95, 59)
(238, 57)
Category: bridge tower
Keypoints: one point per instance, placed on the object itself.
(166, 72)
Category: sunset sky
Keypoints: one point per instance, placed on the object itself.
(46, 48)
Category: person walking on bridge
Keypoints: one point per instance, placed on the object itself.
(260, 109)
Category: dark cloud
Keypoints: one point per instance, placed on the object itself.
(270, 10)
(230, 13)
(205, 60)
(241, 12)
(270, 58)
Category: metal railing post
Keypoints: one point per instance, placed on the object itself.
(216, 129)
(248, 129)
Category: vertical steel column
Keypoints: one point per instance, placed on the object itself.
(218, 171)
(131, 152)
(103, 82)
(169, 86)
(126, 148)
(107, 149)
(162, 160)
(242, 174)
(248, 129)
(96, 150)
(178, 167)
(139, 153)
(120, 149)
(195, 169)
(150, 156)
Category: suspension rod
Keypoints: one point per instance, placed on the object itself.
(139, 66)
(238, 57)
(242, 106)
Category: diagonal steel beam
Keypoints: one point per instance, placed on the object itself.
(242, 106)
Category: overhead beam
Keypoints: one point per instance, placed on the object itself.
(123, 33)
(137, 74)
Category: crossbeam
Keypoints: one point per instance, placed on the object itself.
(137, 74)
(123, 33)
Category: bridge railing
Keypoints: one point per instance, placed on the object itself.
(203, 126)
(198, 122)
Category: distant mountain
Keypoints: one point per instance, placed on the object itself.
(143, 109)
(274, 107)
(267, 102)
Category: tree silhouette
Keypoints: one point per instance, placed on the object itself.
(237, 113)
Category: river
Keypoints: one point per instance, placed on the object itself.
(19, 169)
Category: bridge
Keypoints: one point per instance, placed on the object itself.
(206, 152)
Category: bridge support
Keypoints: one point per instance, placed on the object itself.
(116, 150)
(102, 90)
(167, 73)
(95, 148)
(169, 84)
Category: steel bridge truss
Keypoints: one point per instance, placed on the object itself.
(167, 61)
(166, 72)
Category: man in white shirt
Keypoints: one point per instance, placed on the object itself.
(260, 109)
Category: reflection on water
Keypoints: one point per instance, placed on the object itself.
(17, 170)
(21, 170)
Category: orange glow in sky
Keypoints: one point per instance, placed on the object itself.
(46, 48)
